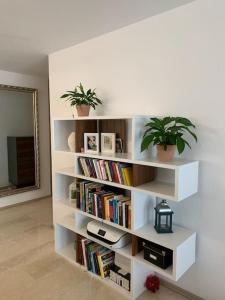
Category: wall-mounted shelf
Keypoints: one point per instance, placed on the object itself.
(174, 181)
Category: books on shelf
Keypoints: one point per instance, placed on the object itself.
(107, 170)
(96, 258)
(93, 199)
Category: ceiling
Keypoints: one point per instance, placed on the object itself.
(31, 29)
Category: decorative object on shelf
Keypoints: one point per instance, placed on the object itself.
(120, 276)
(82, 100)
(108, 143)
(152, 283)
(119, 145)
(163, 217)
(91, 143)
(71, 141)
(168, 134)
(72, 192)
(158, 255)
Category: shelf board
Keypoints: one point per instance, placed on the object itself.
(154, 188)
(121, 157)
(67, 222)
(168, 240)
(125, 251)
(65, 151)
(111, 117)
(67, 171)
(166, 273)
(158, 189)
(127, 158)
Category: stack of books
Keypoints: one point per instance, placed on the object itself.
(96, 258)
(120, 276)
(107, 170)
(92, 198)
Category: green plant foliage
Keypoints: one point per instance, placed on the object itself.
(168, 131)
(78, 97)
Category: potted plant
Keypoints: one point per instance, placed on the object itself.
(82, 100)
(167, 134)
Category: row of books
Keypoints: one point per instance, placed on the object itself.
(96, 258)
(107, 170)
(94, 199)
(120, 276)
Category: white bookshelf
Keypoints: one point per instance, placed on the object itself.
(175, 181)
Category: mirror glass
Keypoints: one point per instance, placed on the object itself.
(19, 157)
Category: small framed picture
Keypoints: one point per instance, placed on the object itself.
(108, 143)
(91, 143)
(119, 145)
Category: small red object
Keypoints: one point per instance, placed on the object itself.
(152, 283)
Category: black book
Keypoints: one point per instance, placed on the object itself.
(126, 214)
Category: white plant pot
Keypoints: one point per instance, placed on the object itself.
(71, 142)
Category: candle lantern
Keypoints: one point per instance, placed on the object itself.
(163, 217)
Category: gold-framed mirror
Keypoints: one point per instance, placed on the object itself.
(19, 140)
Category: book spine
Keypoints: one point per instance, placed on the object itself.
(126, 215)
(96, 169)
(106, 203)
(118, 173)
(116, 179)
(108, 171)
(111, 210)
(129, 216)
(78, 194)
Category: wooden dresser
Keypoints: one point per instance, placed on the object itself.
(21, 161)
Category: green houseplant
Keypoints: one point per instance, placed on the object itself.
(168, 134)
(82, 99)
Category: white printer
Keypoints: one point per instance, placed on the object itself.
(112, 236)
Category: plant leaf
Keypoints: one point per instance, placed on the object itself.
(146, 142)
(180, 144)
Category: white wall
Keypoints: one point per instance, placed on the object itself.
(41, 84)
(16, 119)
(170, 64)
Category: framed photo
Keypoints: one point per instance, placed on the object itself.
(108, 143)
(91, 143)
(119, 145)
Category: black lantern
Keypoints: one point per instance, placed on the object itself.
(163, 217)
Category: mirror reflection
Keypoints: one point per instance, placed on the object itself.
(18, 140)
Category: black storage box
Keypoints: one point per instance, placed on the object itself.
(158, 255)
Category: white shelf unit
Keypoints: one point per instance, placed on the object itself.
(175, 181)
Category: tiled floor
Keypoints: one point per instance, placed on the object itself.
(30, 270)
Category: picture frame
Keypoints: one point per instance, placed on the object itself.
(91, 143)
(108, 143)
